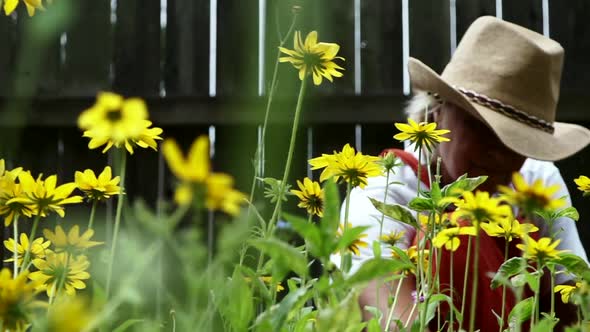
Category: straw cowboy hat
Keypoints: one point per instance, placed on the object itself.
(508, 77)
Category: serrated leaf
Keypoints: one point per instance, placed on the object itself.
(522, 311)
(284, 256)
(509, 268)
(396, 212)
(375, 268)
(569, 212)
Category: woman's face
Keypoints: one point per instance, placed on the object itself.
(474, 149)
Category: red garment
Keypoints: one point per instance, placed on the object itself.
(491, 257)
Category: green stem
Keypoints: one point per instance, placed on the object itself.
(117, 220)
(391, 310)
(15, 237)
(474, 281)
(61, 281)
(92, 211)
(452, 322)
(273, 84)
(346, 208)
(552, 278)
(536, 307)
(504, 288)
(467, 263)
(275, 214)
(31, 238)
(381, 228)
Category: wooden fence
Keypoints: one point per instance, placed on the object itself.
(204, 66)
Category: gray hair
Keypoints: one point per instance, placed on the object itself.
(421, 106)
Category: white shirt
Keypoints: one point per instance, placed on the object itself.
(363, 213)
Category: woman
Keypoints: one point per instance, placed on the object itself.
(498, 97)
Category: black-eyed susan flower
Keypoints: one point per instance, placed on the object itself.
(540, 250)
(508, 228)
(98, 188)
(220, 194)
(119, 122)
(44, 196)
(480, 207)
(311, 196)
(583, 183)
(416, 256)
(61, 269)
(313, 58)
(9, 189)
(32, 5)
(193, 168)
(423, 134)
(566, 291)
(16, 300)
(354, 246)
(70, 314)
(533, 197)
(39, 247)
(449, 237)
(73, 242)
(392, 238)
(350, 166)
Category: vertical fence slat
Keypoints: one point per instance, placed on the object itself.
(88, 49)
(137, 47)
(568, 24)
(429, 32)
(7, 56)
(381, 47)
(469, 10)
(237, 48)
(528, 14)
(186, 68)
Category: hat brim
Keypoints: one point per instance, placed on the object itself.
(566, 140)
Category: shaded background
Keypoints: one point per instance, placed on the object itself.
(204, 66)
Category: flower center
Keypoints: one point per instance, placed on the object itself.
(113, 115)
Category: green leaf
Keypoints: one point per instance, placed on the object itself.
(349, 236)
(373, 325)
(376, 248)
(546, 324)
(421, 204)
(375, 268)
(522, 311)
(273, 189)
(127, 324)
(435, 192)
(509, 268)
(331, 220)
(309, 232)
(276, 317)
(284, 256)
(396, 212)
(236, 303)
(463, 183)
(569, 212)
(573, 263)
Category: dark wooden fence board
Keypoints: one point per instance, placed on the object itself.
(381, 47)
(8, 54)
(469, 10)
(429, 32)
(569, 25)
(377, 137)
(528, 13)
(89, 49)
(137, 47)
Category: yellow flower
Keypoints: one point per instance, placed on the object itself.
(44, 196)
(423, 134)
(583, 183)
(69, 314)
(268, 281)
(450, 237)
(424, 219)
(311, 197)
(114, 121)
(38, 248)
(195, 167)
(10, 6)
(480, 207)
(183, 195)
(352, 167)
(311, 57)
(16, 300)
(355, 246)
(10, 189)
(220, 194)
(392, 238)
(61, 268)
(566, 291)
(414, 256)
(72, 243)
(533, 197)
(508, 228)
(98, 188)
(540, 250)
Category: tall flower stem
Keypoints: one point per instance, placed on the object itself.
(92, 211)
(26, 262)
(504, 288)
(275, 214)
(381, 226)
(117, 220)
(15, 237)
(273, 84)
(464, 292)
(346, 209)
(474, 281)
(390, 314)
(452, 287)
